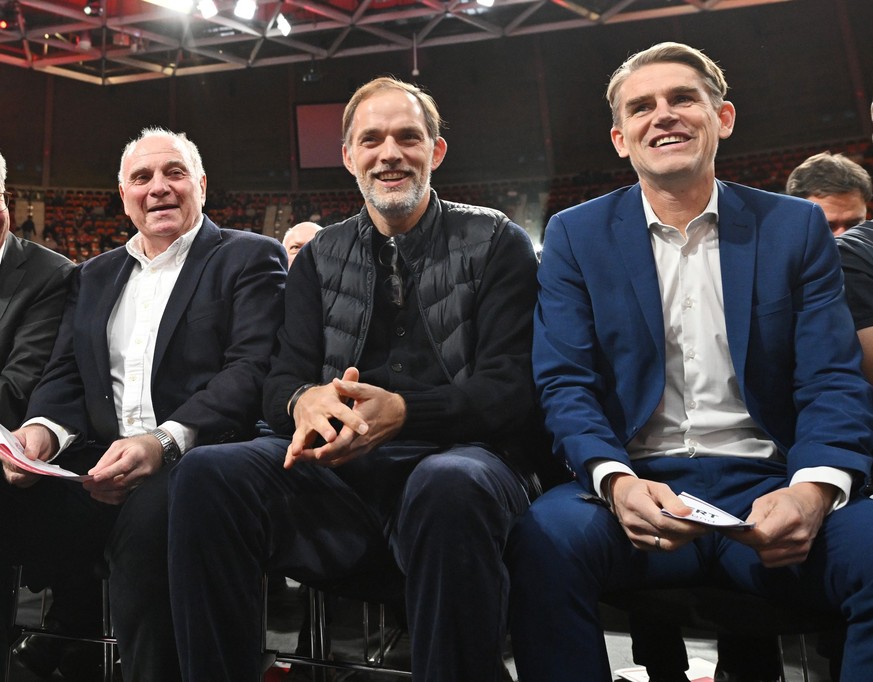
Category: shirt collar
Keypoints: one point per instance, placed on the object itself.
(177, 251)
(3, 246)
(711, 209)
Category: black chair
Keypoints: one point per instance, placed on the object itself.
(106, 639)
(321, 659)
(721, 610)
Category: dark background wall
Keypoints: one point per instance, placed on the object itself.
(801, 73)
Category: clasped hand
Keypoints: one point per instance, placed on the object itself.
(369, 416)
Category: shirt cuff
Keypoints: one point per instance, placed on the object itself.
(839, 478)
(599, 469)
(65, 438)
(185, 436)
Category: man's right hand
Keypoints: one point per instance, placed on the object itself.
(39, 443)
(637, 504)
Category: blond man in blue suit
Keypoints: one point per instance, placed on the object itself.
(691, 335)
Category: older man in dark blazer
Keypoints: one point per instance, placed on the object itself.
(164, 345)
(33, 284)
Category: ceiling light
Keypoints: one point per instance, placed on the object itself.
(207, 9)
(93, 9)
(283, 25)
(245, 9)
(485, 3)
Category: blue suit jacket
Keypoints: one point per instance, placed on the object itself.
(212, 350)
(598, 352)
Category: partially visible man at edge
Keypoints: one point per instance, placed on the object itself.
(33, 286)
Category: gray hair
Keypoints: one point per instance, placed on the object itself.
(182, 141)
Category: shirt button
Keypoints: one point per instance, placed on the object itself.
(692, 404)
(687, 303)
(400, 331)
(130, 421)
(396, 366)
(690, 355)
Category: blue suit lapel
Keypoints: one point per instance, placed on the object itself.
(205, 244)
(737, 237)
(634, 245)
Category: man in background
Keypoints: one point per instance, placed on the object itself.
(297, 236)
(836, 183)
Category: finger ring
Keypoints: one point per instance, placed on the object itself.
(657, 543)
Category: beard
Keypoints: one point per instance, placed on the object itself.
(394, 204)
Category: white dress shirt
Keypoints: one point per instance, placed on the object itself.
(701, 413)
(131, 334)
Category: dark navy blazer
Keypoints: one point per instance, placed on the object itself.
(598, 352)
(33, 286)
(212, 350)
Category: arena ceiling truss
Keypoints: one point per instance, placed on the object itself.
(125, 41)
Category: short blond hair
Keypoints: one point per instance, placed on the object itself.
(432, 120)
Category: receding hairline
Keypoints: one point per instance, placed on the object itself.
(187, 150)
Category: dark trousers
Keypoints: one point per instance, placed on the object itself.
(60, 534)
(441, 515)
(566, 551)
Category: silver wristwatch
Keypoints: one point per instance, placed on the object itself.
(171, 451)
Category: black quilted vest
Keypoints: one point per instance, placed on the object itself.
(447, 253)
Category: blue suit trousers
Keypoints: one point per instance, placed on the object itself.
(567, 551)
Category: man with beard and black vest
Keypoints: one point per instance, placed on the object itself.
(400, 395)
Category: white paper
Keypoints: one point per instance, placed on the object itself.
(707, 514)
(12, 451)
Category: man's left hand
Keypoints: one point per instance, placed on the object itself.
(786, 522)
(126, 464)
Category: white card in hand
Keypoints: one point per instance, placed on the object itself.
(707, 514)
